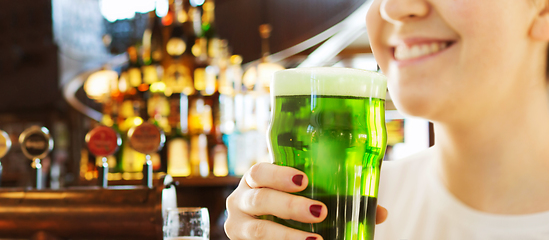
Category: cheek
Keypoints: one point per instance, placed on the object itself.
(487, 29)
(375, 25)
(467, 16)
(373, 18)
(485, 19)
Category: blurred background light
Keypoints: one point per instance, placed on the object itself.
(98, 85)
(261, 75)
(196, 3)
(162, 7)
(114, 10)
(144, 6)
(158, 87)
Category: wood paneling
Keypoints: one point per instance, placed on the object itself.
(28, 59)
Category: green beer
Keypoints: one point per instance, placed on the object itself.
(330, 124)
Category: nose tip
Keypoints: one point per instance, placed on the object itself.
(404, 10)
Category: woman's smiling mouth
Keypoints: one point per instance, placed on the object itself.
(409, 52)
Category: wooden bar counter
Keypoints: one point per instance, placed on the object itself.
(122, 212)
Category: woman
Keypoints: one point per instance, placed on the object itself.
(478, 70)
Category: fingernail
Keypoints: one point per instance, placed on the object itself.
(298, 180)
(311, 238)
(315, 210)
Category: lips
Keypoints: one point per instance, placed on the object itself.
(403, 52)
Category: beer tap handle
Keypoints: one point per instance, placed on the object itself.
(37, 166)
(103, 141)
(36, 143)
(148, 139)
(102, 173)
(148, 172)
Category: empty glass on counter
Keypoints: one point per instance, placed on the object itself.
(187, 224)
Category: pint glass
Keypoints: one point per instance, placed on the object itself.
(330, 124)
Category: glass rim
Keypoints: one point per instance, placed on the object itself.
(330, 81)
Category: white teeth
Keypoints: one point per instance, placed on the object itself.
(404, 52)
(425, 48)
(435, 47)
(415, 51)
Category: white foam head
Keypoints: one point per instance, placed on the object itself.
(329, 82)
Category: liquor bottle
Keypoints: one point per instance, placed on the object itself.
(178, 78)
(157, 52)
(200, 120)
(200, 114)
(152, 41)
(177, 43)
(132, 111)
(249, 130)
(238, 159)
(220, 156)
(158, 110)
(116, 100)
(209, 30)
(195, 15)
(224, 114)
(262, 118)
(150, 69)
(199, 156)
(211, 73)
(180, 62)
(257, 79)
(229, 86)
(134, 72)
(178, 142)
(248, 124)
(125, 111)
(206, 45)
(262, 97)
(211, 113)
(131, 160)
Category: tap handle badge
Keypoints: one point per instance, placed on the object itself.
(146, 138)
(36, 142)
(103, 141)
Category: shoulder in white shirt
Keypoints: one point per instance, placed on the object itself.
(421, 208)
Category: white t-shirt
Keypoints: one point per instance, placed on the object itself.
(421, 208)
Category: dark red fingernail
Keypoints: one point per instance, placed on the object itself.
(316, 210)
(311, 238)
(298, 180)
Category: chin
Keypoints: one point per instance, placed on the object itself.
(416, 105)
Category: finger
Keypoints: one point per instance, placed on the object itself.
(381, 214)
(286, 179)
(265, 201)
(246, 228)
